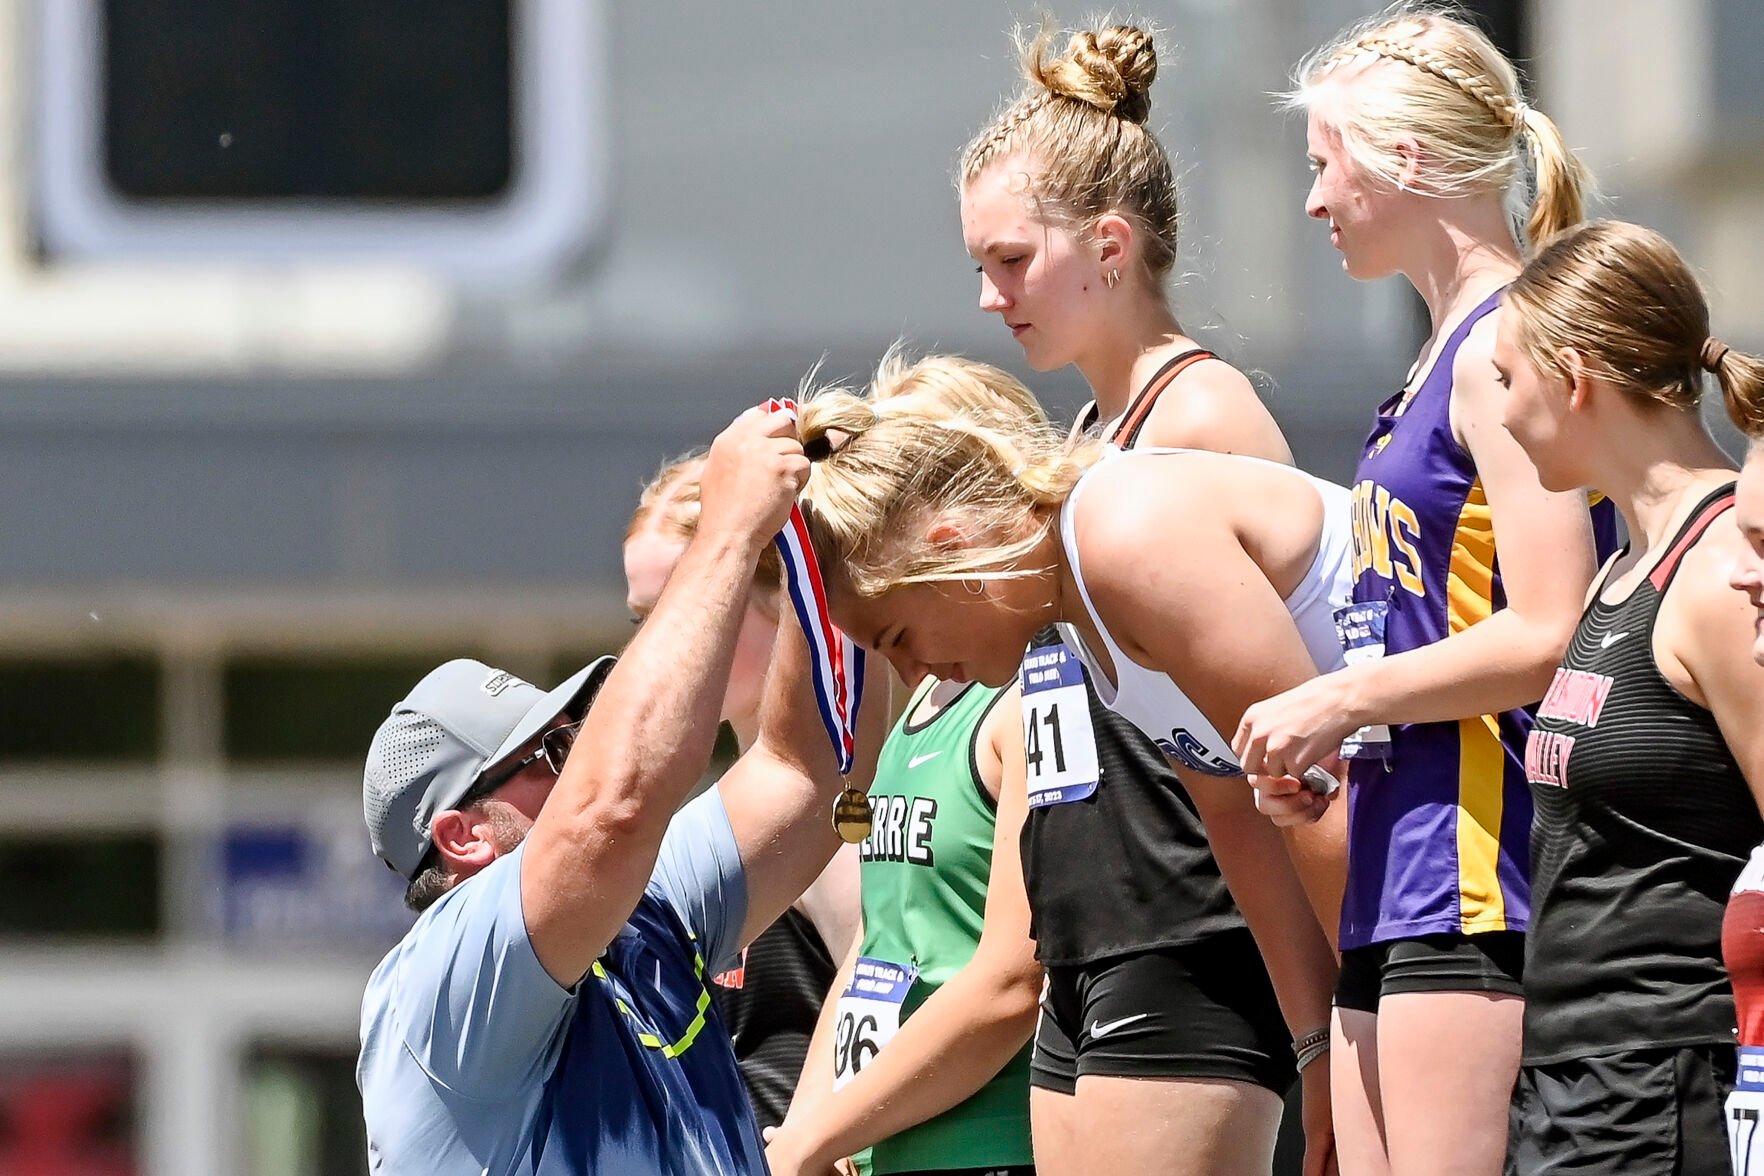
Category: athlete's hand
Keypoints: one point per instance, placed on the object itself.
(1286, 800)
(786, 1157)
(1284, 735)
(751, 476)
(1319, 1128)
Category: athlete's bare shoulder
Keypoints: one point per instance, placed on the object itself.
(1152, 497)
(1213, 406)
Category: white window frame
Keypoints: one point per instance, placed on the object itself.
(553, 211)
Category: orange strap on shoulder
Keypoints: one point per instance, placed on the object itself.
(1127, 432)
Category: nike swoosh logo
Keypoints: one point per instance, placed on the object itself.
(1610, 639)
(919, 759)
(1098, 1029)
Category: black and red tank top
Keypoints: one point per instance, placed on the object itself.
(1643, 822)
(1126, 868)
(770, 1003)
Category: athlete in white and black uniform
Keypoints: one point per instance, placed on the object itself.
(946, 523)
(1151, 972)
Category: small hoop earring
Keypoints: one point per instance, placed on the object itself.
(974, 587)
(1110, 278)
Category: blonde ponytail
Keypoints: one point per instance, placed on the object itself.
(943, 438)
(1561, 180)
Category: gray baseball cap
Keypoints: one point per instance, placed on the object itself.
(464, 717)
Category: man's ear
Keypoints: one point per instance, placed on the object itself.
(460, 839)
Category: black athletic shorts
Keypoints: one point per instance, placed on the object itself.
(1647, 1110)
(1198, 1010)
(1493, 961)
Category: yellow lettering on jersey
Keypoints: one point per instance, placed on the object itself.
(1381, 532)
(1367, 524)
(1383, 523)
(1402, 519)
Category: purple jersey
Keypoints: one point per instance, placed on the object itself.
(1439, 814)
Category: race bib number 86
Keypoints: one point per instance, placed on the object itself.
(869, 1014)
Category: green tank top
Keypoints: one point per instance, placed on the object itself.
(925, 868)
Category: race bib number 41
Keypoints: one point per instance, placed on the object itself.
(1059, 744)
(869, 1014)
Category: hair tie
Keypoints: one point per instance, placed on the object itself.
(1714, 351)
(1520, 111)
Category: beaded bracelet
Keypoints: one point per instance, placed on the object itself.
(1308, 1047)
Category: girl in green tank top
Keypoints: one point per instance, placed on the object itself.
(922, 1053)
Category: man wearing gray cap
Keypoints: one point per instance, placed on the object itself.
(548, 1011)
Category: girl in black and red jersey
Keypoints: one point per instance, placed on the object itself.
(1648, 750)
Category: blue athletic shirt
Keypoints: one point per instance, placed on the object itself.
(474, 1060)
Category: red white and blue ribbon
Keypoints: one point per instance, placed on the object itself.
(838, 664)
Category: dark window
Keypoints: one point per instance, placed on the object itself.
(102, 709)
(85, 884)
(353, 100)
(281, 709)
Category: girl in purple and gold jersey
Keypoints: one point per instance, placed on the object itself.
(1647, 758)
(1416, 131)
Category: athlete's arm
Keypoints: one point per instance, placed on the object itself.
(1703, 642)
(1547, 559)
(833, 903)
(975, 1023)
(780, 793)
(1213, 406)
(649, 733)
(1212, 622)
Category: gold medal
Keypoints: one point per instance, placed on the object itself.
(851, 816)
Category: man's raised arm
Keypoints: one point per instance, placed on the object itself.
(647, 738)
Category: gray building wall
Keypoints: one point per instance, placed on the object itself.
(783, 193)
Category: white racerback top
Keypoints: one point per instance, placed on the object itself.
(1148, 698)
